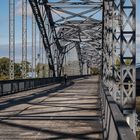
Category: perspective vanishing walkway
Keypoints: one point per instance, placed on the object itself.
(54, 112)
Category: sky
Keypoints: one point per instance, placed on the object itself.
(4, 29)
(138, 31)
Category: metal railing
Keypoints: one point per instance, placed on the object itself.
(14, 86)
(114, 123)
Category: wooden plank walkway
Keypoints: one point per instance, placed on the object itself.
(53, 112)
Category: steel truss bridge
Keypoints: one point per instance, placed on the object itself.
(101, 33)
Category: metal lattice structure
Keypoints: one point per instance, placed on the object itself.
(64, 32)
(102, 33)
(119, 54)
(128, 53)
(33, 46)
(24, 38)
(78, 24)
(11, 38)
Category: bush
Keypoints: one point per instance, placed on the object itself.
(94, 71)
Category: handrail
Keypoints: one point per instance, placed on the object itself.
(114, 123)
(18, 85)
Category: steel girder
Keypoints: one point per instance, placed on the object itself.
(53, 48)
(64, 24)
(119, 54)
(76, 23)
(40, 21)
(33, 46)
(24, 38)
(57, 50)
(128, 53)
(79, 24)
(11, 38)
(87, 38)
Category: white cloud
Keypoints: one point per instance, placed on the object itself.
(19, 9)
(138, 26)
(138, 33)
(138, 39)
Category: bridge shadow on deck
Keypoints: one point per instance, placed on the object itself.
(27, 98)
(56, 134)
(55, 113)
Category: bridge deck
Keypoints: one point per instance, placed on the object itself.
(53, 112)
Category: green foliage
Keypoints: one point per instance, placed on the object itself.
(41, 70)
(27, 65)
(117, 62)
(17, 70)
(4, 77)
(94, 71)
(127, 62)
(4, 68)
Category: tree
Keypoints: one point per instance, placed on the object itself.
(4, 68)
(41, 70)
(94, 71)
(17, 70)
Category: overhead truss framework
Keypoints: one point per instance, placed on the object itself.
(70, 24)
(79, 23)
(107, 38)
(41, 24)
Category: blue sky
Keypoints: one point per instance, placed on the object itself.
(4, 28)
(138, 31)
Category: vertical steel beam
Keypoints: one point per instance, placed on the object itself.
(46, 66)
(107, 43)
(116, 51)
(41, 51)
(40, 48)
(44, 62)
(40, 22)
(24, 38)
(33, 46)
(122, 32)
(11, 38)
(128, 59)
(78, 49)
(39, 56)
(55, 58)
